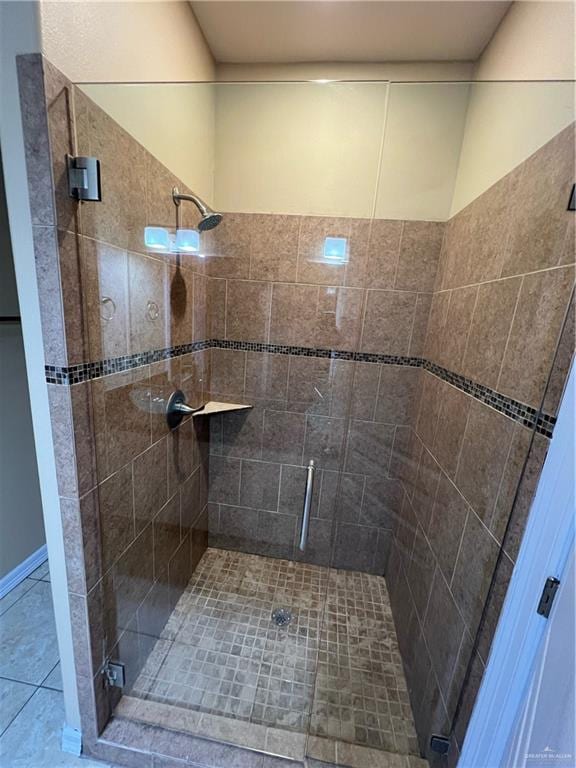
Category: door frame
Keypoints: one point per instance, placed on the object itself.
(544, 552)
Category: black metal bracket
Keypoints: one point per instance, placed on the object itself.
(572, 201)
(439, 744)
(547, 597)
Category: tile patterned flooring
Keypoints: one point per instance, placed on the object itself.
(336, 664)
(31, 701)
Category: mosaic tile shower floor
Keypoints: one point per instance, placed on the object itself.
(337, 662)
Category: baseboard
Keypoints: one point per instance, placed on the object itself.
(71, 740)
(22, 571)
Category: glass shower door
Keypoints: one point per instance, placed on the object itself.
(207, 599)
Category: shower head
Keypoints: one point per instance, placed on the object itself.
(209, 218)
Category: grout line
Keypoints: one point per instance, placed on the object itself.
(469, 334)
(28, 700)
(398, 253)
(520, 289)
(506, 277)
(450, 583)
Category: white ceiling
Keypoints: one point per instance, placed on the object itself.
(347, 30)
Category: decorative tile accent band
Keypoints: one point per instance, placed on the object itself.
(524, 414)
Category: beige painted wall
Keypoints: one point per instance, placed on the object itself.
(329, 149)
(509, 121)
(140, 42)
(299, 148)
(175, 122)
(398, 71)
(534, 41)
(250, 148)
(125, 41)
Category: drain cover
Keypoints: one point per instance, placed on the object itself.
(281, 616)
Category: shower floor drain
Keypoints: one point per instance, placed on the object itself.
(281, 616)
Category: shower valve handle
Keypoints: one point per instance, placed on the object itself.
(177, 408)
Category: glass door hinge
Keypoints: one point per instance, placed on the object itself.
(114, 674)
(547, 597)
(84, 178)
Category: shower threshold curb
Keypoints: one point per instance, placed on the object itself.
(131, 723)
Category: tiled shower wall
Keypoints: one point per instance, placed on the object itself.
(133, 495)
(431, 464)
(275, 290)
(504, 284)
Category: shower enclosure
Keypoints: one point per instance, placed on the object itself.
(372, 343)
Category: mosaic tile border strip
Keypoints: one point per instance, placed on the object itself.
(524, 414)
(514, 409)
(76, 374)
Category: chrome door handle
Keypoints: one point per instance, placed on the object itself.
(177, 408)
(307, 506)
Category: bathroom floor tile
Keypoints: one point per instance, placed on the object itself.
(42, 573)
(15, 594)
(33, 738)
(54, 679)
(335, 666)
(13, 696)
(28, 645)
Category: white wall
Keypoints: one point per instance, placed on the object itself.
(21, 524)
(509, 121)
(141, 42)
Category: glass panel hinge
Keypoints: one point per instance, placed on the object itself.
(547, 597)
(114, 674)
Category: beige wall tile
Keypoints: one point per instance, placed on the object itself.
(274, 248)
(227, 371)
(447, 525)
(540, 191)
(388, 322)
(36, 139)
(149, 303)
(312, 266)
(116, 506)
(122, 418)
(266, 376)
(150, 479)
(397, 393)
(454, 337)
(473, 571)
(535, 332)
(50, 294)
(293, 313)
(248, 310)
(420, 326)
(383, 252)
(120, 218)
(484, 450)
(453, 409)
(489, 329)
(180, 284)
(105, 288)
(227, 247)
(419, 254)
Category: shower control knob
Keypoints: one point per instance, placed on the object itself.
(177, 408)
